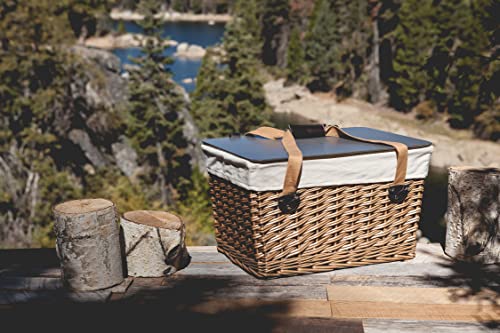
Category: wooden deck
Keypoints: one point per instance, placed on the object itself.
(427, 294)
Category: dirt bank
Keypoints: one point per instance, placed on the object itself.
(452, 147)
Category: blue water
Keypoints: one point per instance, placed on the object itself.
(197, 33)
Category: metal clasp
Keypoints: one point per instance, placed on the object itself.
(398, 193)
(289, 203)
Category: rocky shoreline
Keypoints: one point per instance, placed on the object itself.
(128, 15)
(128, 40)
(124, 41)
(451, 147)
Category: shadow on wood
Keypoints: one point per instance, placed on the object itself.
(479, 281)
(187, 303)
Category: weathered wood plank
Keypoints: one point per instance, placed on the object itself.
(289, 308)
(30, 283)
(397, 281)
(203, 249)
(99, 296)
(28, 257)
(399, 269)
(419, 326)
(389, 310)
(9, 297)
(306, 325)
(208, 257)
(228, 289)
(432, 252)
(16, 270)
(411, 295)
(223, 269)
(271, 292)
(303, 280)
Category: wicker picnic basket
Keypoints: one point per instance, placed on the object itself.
(350, 197)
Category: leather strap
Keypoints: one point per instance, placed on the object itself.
(295, 158)
(401, 150)
(294, 167)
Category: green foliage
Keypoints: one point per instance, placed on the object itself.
(154, 124)
(54, 187)
(440, 52)
(38, 85)
(121, 28)
(229, 97)
(296, 65)
(84, 14)
(34, 80)
(337, 44)
(322, 54)
(196, 211)
(109, 183)
(275, 21)
(487, 124)
(201, 6)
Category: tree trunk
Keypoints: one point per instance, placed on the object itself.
(282, 47)
(88, 244)
(473, 216)
(376, 91)
(153, 243)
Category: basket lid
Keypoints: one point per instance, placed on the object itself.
(261, 150)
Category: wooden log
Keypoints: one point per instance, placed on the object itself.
(154, 243)
(473, 216)
(88, 244)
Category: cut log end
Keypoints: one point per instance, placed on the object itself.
(153, 243)
(474, 169)
(82, 206)
(473, 215)
(155, 219)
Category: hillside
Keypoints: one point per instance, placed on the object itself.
(452, 147)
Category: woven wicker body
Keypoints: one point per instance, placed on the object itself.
(334, 227)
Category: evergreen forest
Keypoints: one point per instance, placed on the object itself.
(72, 126)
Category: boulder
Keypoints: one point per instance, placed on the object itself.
(190, 51)
(103, 58)
(126, 157)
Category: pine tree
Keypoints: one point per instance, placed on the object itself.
(208, 105)
(296, 66)
(37, 107)
(154, 124)
(467, 73)
(440, 57)
(275, 31)
(84, 15)
(229, 97)
(414, 38)
(322, 54)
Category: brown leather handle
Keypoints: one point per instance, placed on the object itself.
(294, 166)
(401, 150)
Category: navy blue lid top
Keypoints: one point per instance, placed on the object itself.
(262, 150)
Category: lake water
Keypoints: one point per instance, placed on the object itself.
(198, 33)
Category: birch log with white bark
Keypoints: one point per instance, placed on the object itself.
(153, 243)
(88, 244)
(473, 216)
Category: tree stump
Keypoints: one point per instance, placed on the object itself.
(473, 216)
(88, 244)
(154, 243)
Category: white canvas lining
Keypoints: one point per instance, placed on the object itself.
(357, 169)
